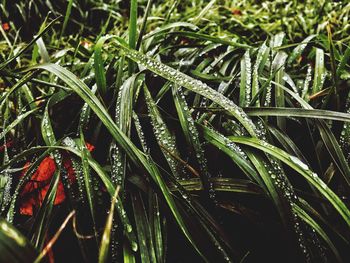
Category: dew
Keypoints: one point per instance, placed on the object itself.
(134, 246)
(114, 241)
(299, 163)
(163, 136)
(194, 85)
(201, 88)
(248, 74)
(140, 132)
(307, 81)
(128, 228)
(117, 171)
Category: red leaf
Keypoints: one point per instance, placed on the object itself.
(34, 191)
(6, 26)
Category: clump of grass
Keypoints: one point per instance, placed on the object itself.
(215, 129)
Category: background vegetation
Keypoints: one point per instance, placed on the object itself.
(174, 131)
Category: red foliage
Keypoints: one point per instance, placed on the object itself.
(34, 191)
(236, 12)
(7, 145)
(6, 26)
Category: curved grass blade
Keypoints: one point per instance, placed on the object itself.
(261, 58)
(132, 31)
(17, 121)
(205, 37)
(310, 221)
(143, 25)
(192, 138)
(39, 35)
(298, 112)
(233, 151)
(123, 117)
(287, 143)
(230, 185)
(14, 246)
(169, 26)
(302, 169)
(278, 66)
(196, 86)
(327, 137)
(298, 50)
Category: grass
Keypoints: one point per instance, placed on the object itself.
(177, 131)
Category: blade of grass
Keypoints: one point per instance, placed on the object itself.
(105, 240)
(131, 150)
(66, 17)
(302, 169)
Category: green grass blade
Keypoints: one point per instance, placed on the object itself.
(131, 150)
(278, 67)
(147, 253)
(302, 169)
(164, 138)
(194, 85)
(105, 241)
(143, 25)
(246, 80)
(233, 151)
(100, 74)
(66, 17)
(310, 221)
(319, 75)
(155, 219)
(297, 112)
(14, 246)
(20, 118)
(298, 50)
(88, 181)
(132, 31)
